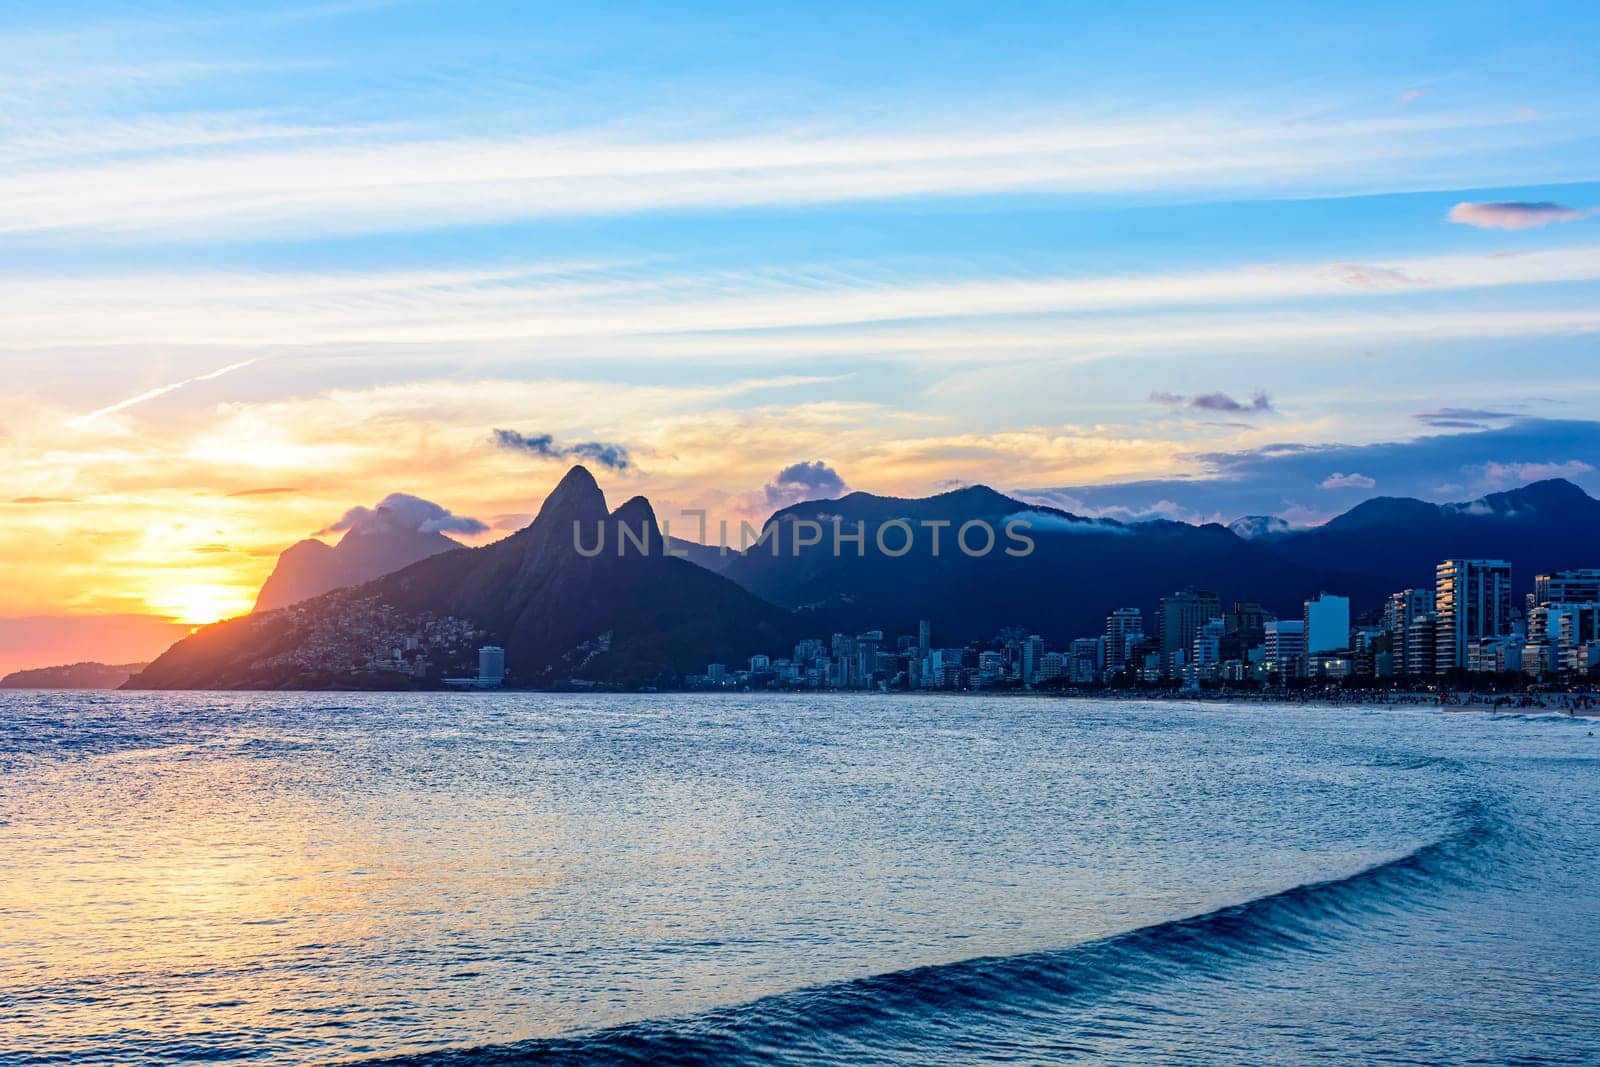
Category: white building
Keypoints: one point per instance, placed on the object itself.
(1327, 624)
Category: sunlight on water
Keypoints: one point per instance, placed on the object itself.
(309, 878)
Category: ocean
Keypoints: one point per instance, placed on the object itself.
(514, 878)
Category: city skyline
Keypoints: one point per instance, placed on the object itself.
(266, 265)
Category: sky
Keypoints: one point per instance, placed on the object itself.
(262, 264)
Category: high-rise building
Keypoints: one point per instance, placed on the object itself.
(1180, 617)
(1422, 643)
(1285, 648)
(1208, 643)
(1246, 626)
(1555, 630)
(1472, 598)
(1567, 587)
(1123, 627)
(1399, 613)
(491, 665)
(1327, 620)
(1032, 650)
(1052, 665)
(1087, 661)
(924, 638)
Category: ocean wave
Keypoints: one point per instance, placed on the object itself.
(984, 1008)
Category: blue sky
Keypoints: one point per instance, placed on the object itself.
(334, 246)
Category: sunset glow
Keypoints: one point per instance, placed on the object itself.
(245, 296)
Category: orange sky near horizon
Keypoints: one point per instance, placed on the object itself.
(170, 511)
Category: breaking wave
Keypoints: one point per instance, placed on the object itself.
(1057, 1004)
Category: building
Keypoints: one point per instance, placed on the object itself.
(1032, 651)
(1327, 624)
(1052, 665)
(1495, 655)
(1567, 587)
(491, 665)
(1180, 617)
(1555, 631)
(1124, 628)
(1205, 661)
(1472, 599)
(1284, 647)
(924, 639)
(1087, 660)
(1246, 625)
(1399, 614)
(1422, 635)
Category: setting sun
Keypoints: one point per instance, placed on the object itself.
(197, 605)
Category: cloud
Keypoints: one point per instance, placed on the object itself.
(1497, 475)
(612, 456)
(271, 490)
(1365, 276)
(1513, 214)
(428, 178)
(1346, 481)
(1411, 96)
(1258, 403)
(402, 512)
(1461, 418)
(804, 481)
(159, 391)
(1272, 480)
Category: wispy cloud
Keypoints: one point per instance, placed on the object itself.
(582, 303)
(1461, 418)
(1514, 214)
(158, 391)
(387, 182)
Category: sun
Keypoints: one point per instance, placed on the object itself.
(199, 604)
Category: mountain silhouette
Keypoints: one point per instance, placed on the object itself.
(1079, 568)
(1390, 543)
(378, 542)
(628, 614)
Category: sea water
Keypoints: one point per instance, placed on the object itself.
(521, 878)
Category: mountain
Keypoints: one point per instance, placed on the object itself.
(711, 557)
(1077, 571)
(1391, 543)
(627, 614)
(72, 676)
(1256, 527)
(379, 542)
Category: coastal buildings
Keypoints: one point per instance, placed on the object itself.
(1568, 587)
(491, 665)
(1468, 623)
(1285, 646)
(1472, 599)
(1327, 624)
(1178, 620)
(1124, 631)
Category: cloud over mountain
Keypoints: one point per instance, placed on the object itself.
(1281, 479)
(804, 481)
(402, 512)
(609, 455)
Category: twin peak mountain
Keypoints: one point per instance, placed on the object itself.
(565, 612)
